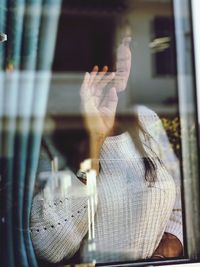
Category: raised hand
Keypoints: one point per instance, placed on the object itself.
(98, 102)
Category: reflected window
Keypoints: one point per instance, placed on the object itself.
(163, 47)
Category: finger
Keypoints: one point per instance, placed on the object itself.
(105, 69)
(104, 82)
(99, 89)
(100, 75)
(86, 80)
(93, 75)
(110, 101)
(99, 93)
(103, 72)
(85, 88)
(95, 68)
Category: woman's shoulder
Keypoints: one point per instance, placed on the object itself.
(146, 115)
(150, 122)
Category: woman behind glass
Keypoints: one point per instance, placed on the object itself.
(138, 215)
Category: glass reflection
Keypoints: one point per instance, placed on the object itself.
(129, 207)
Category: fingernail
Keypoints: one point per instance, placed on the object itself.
(95, 67)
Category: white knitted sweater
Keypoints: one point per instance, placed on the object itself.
(131, 216)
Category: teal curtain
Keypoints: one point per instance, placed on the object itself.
(25, 73)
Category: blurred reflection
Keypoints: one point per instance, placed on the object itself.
(132, 209)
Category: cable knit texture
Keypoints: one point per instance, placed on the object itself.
(131, 214)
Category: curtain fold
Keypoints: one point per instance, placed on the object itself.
(15, 14)
(25, 97)
(3, 7)
(46, 46)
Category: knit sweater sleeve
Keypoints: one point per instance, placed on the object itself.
(154, 126)
(59, 224)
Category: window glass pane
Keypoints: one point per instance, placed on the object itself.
(137, 210)
(98, 132)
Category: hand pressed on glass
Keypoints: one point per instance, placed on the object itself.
(98, 104)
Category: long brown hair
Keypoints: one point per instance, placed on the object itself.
(134, 127)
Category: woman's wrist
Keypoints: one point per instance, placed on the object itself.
(96, 142)
(97, 136)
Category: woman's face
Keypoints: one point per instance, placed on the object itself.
(123, 64)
